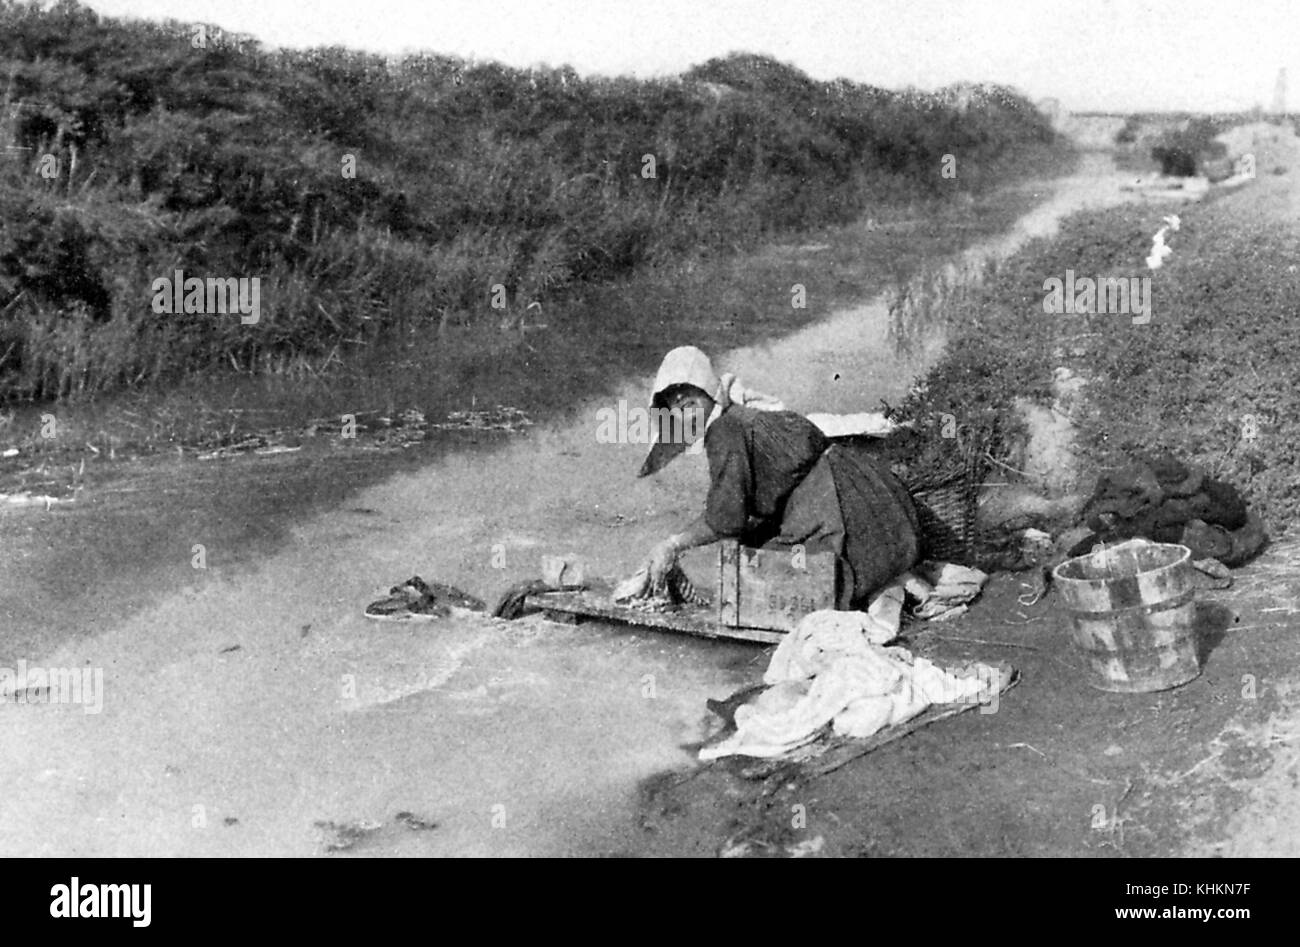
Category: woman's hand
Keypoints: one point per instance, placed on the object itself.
(663, 556)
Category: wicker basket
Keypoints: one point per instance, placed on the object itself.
(947, 515)
(946, 503)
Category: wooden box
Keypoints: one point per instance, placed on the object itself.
(772, 588)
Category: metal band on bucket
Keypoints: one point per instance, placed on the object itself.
(1144, 609)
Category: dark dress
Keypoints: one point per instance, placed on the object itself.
(776, 481)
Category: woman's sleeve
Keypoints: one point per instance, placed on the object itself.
(726, 511)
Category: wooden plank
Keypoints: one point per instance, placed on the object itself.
(728, 583)
(700, 620)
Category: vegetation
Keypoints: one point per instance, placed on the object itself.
(1183, 151)
(134, 149)
(1210, 378)
(1183, 144)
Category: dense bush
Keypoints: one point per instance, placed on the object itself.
(1182, 151)
(227, 160)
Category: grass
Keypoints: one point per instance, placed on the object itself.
(377, 199)
(1211, 378)
(596, 337)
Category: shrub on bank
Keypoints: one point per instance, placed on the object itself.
(223, 159)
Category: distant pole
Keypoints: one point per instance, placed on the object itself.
(1279, 93)
(8, 113)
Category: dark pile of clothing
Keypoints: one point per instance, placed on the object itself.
(1164, 500)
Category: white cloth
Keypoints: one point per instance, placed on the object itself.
(688, 365)
(828, 670)
(1159, 250)
(864, 423)
(943, 589)
(738, 393)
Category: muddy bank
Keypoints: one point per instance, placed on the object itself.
(1060, 769)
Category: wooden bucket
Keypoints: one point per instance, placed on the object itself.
(1131, 614)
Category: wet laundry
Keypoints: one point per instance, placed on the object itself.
(1166, 500)
(830, 671)
(418, 600)
(639, 590)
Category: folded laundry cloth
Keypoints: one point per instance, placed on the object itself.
(864, 424)
(739, 393)
(827, 671)
(945, 588)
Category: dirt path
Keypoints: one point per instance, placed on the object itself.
(248, 709)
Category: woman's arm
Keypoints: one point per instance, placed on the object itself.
(698, 533)
(664, 555)
(727, 504)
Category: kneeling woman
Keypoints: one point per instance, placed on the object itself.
(778, 482)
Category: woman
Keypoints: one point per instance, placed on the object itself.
(778, 482)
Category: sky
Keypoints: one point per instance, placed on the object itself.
(1091, 55)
